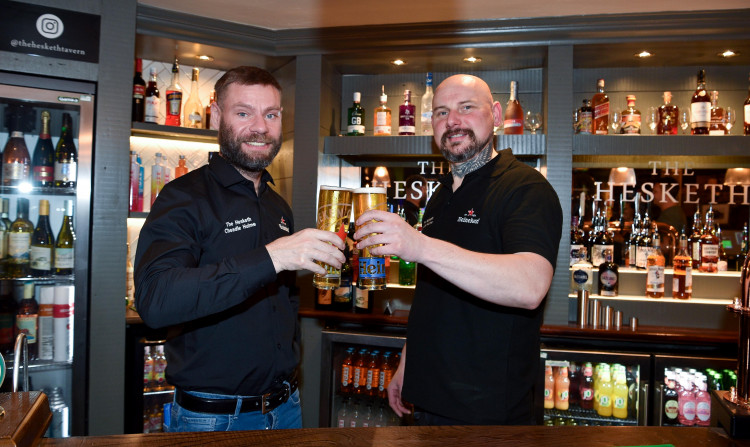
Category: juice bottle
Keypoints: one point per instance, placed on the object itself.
(686, 401)
(620, 397)
(346, 371)
(562, 389)
(586, 388)
(549, 388)
(605, 395)
(597, 382)
(574, 375)
(702, 403)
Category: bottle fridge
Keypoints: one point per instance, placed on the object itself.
(58, 280)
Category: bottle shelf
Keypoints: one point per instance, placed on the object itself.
(584, 417)
(36, 365)
(667, 299)
(42, 279)
(173, 132)
(664, 145)
(38, 190)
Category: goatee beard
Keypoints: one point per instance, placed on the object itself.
(467, 153)
(230, 146)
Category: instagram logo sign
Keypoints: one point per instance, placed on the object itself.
(49, 26)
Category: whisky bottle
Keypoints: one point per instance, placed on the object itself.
(355, 125)
(585, 118)
(655, 275)
(174, 97)
(644, 244)
(608, 276)
(682, 280)
(700, 107)
(717, 125)
(631, 118)
(603, 242)
(600, 104)
(193, 111)
(694, 241)
(669, 117)
(513, 120)
(406, 118)
(382, 117)
(709, 245)
(577, 241)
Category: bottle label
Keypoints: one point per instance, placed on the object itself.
(27, 325)
(65, 171)
(581, 277)
(64, 258)
(601, 111)
(575, 250)
(159, 372)
(513, 123)
(608, 278)
(655, 279)
(174, 103)
(700, 114)
(619, 402)
(44, 174)
(14, 173)
(586, 122)
(19, 246)
(597, 254)
(631, 124)
(703, 411)
(688, 410)
(345, 375)
(361, 298)
(671, 409)
(41, 258)
(696, 251)
(406, 129)
(195, 118)
(710, 251)
(324, 297)
(152, 109)
(138, 91)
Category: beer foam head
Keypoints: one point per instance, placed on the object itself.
(370, 190)
(333, 188)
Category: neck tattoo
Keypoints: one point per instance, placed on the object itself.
(462, 169)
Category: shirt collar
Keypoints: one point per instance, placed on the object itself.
(227, 175)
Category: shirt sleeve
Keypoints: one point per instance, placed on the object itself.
(172, 286)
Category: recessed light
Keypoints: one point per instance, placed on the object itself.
(398, 62)
(472, 60)
(728, 53)
(205, 57)
(644, 53)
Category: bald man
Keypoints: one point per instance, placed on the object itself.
(486, 256)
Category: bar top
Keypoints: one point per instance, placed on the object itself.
(465, 436)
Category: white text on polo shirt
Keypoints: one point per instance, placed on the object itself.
(239, 224)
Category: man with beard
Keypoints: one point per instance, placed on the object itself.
(486, 256)
(215, 264)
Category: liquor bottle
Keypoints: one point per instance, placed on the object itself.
(644, 244)
(151, 114)
(66, 156)
(635, 229)
(585, 118)
(669, 117)
(581, 274)
(709, 245)
(44, 156)
(7, 317)
(682, 280)
(19, 241)
(382, 117)
(670, 399)
(135, 204)
(157, 177)
(631, 118)
(343, 295)
(16, 160)
(139, 93)
(716, 125)
(700, 107)
(655, 274)
(513, 120)
(166, 171)
(426, 107)
(406, 118)
(600, 104)
(181, 169)
(148, 369)
(603, 242)
(362, 301)
(723, 264)
(694, 241)
(577, 242)
(27, 318)
(174, 97)
(141, 175)
(608, 276)
(192, 113)
(207, 114)
(42, 243)
(65, 245)
(746, 108)
(355, 124)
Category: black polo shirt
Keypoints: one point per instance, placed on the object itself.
(469, 359)
(203, 269)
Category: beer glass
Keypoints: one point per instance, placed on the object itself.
(371, 267)
(334, 213)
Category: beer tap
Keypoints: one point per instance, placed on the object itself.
(741, 394)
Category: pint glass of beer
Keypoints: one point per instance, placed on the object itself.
(371, 267)
(334, 213)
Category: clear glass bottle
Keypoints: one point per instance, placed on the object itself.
(669, 117)
(717, 125)
(192, 115)
(406, 116)
(382, 117)
(700, 107)
(356, 117)
(694, 240)
(65, 245)
(631, 118)
(19, 241)
(513, 119)
(426, 106)
(16, 160)
(174, 97)
(581, 274)
(600, 104)
(709, 245)
(682, 279)
(152, 99)
(655, 265)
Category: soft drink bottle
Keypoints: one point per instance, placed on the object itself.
(562, 389)
(702, 403)
(386, 373)
(586, 388)
(574, 375)
(342, 414)
(671, 401)
(346, 371)
(354, 420)
(605, 395)
(620, 397)
(373, 374)
(686, 401)
(359, 380)
(549, 388)
(148, 369)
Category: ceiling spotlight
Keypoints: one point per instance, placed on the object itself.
(472, 60)
(398, 62)
(644, 53)
(205, 57)
(728, 53)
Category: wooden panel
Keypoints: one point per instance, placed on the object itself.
(27, 416)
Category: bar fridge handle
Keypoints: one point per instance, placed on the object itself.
(643, 415)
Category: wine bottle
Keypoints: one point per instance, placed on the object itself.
(406, 118)
(513, 120)
(355, 125)
(5, 224)
(151, 114)
(426, 106)
(600, 104)
(19, 241)
(139, 93)
(16, 160)
(42, 243)
(44, 156)
(174, 97)
(27, 319)
(700, 107)
(66, 156)
(65, 245)
(193, 111)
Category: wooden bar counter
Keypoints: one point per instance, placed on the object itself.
(464, 436)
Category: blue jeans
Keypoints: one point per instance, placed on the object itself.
(286, 415)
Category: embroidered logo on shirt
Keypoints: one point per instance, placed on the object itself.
(238, 225)
(469, 217)
(283, 225)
